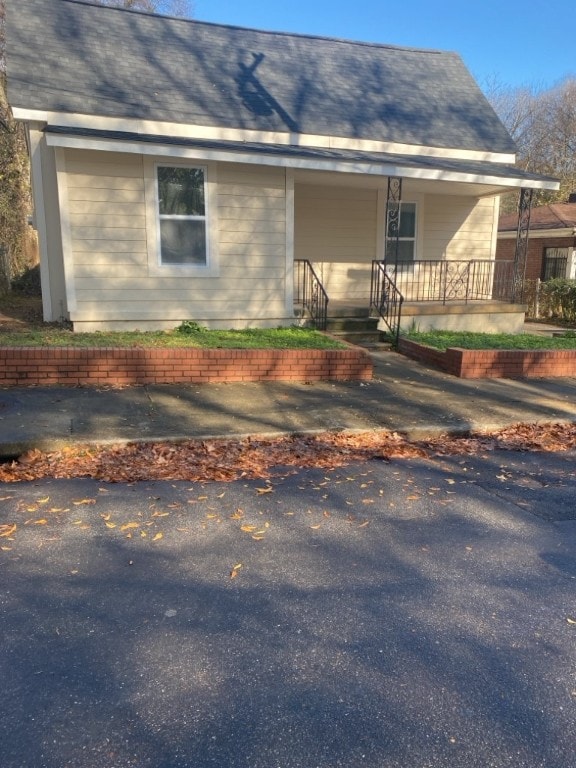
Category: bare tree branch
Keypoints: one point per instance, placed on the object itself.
(543, 124)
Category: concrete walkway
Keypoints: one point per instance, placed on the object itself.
(404, 396)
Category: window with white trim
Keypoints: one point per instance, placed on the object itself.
(182, 224)
(406, 234)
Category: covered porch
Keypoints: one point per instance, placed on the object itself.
(407, 252)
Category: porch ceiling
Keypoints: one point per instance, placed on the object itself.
(409, 186)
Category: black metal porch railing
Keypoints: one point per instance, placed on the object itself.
(309, 293)
(451, 281)
(385, 298)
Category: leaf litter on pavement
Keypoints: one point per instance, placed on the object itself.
(225, 460)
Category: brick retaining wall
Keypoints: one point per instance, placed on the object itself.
(495, 363)
(75, 366)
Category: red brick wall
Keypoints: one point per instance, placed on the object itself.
(495, 363)
(73, 366)
(535, 255)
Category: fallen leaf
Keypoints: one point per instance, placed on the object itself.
(268, 489)
(248, 528)
(160, 514)
(570, 621)
(7, 530)
(258, 538)
(238, 515)
(315, 527)
(157, 537)
(78, 502)
(43, 501)
(127, 526)
(110, 525)
(42, 521)
(364, 524)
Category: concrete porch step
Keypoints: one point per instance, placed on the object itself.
(338, 308)
(354, 328)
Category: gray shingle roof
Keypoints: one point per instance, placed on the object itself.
(553, 216)
(70, 56)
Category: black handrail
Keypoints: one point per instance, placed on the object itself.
(385, 298)
(309, 293)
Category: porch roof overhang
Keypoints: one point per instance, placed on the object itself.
(497, 176)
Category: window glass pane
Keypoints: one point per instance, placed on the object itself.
(405, 250)
(407, 220)
(183, 242)
(181, 191)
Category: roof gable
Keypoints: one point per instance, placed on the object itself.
(74, 57)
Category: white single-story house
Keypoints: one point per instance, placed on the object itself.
(190, 171)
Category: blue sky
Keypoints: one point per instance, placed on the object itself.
(518, 42)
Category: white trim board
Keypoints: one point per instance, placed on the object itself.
(320, 164)
(218, 133)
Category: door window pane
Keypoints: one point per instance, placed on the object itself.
(405, 250)
(406, 235)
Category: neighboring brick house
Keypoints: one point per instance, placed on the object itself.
(552, 241)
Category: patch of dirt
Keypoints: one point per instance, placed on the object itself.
(20, 313)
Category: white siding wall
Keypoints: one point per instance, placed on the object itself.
(336, 229)
(112, 233)
(458, 227)
(252, 242)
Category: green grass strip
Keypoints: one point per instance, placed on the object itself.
(467, 340)
(252, 338)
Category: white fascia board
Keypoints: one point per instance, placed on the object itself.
(217, 133)
(319, 164)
